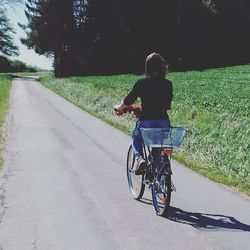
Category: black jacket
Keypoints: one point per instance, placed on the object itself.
(156, 94)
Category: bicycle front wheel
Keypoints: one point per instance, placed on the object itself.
(161, 194)
(135, 182)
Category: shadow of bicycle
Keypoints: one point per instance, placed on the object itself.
(206, 222)
(146, 201)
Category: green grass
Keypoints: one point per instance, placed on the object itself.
(5, 85)
(30, 74)
(212, 105)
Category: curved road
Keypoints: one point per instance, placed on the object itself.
(64, 187)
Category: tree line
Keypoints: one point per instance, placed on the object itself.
(7, 47)
(11, 66)
(114, 36)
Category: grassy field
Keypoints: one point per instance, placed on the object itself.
(5, 85)
(212, 105)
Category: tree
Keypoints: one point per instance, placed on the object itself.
(5, 65)
(115, 36)
(233, 32)
(52, 31)
(7, 46)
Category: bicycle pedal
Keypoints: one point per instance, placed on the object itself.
(173, 188)
(169, 171)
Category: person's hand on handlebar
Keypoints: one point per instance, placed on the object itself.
(120, 109)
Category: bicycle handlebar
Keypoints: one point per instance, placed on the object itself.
(136, 110)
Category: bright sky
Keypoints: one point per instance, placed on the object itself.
(16, 14)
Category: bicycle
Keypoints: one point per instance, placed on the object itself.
(158, 146)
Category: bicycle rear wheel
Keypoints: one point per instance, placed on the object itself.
(135, 182)
(161, 194)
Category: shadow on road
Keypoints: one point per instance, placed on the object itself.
(146, 201)
(206, 222)
(203, 221)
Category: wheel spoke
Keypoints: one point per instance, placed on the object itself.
(135, 182)
(161, 195)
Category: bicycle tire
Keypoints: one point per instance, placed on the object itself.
(161, 200)
(135, 182)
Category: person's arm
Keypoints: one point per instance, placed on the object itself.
(129, 99)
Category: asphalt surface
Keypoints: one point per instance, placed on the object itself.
(64, 186)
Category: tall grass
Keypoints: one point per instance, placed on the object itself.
(213, 105)
(5, 85)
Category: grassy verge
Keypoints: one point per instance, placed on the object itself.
(213, 105)
(28, 74)
(5, 85)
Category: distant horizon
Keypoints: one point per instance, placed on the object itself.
(28, 56)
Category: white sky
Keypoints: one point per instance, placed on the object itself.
(16, 14)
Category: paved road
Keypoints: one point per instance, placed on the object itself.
(64, 187)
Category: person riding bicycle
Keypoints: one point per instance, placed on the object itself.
(156, 94)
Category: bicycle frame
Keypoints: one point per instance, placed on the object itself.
(158, 174)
